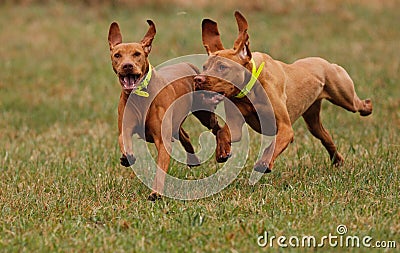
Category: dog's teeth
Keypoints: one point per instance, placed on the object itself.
(126, 80)
(132, 81)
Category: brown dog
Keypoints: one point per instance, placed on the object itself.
(146, 97)
(293, 90)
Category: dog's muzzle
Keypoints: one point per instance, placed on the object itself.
(209, 97)
(200, 82)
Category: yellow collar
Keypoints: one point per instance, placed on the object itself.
(255, 73)
(143, 85)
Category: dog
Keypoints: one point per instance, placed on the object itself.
(293, 90)
(146, 96)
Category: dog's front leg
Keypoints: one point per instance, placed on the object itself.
(128, 158)
(121, 108)
(231, 132)
(284, 136)
(208, 119)
(126, 125)
(224, 142)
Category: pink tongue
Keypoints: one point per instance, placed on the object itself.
(129, 82)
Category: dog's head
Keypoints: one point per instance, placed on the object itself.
(224, 67)
(129, 60)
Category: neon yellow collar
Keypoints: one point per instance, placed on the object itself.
(255, 73)
(143, 85)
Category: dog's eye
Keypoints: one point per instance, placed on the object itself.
(222, 67)
(136, 54)
(117, 55)
(204, 67)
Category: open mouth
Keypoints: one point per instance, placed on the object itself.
(130, 81)
(211, 97)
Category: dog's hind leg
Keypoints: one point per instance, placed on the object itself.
(163, 159)
(162, 140)
(314, 125)
(340, 91)
(192, 159)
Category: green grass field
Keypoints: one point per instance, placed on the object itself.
(62, 188)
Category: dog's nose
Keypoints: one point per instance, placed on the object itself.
(127, 66)
(199, 80)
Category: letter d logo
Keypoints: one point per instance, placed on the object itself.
(262, 240)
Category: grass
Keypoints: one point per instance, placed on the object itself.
(62, 189)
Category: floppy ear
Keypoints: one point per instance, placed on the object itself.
(242, 43)
(210, 35)
(148, 38)
(114, 35)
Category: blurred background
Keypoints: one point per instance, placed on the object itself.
(55, 69)
(58, 49)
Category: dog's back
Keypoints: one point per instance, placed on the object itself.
(184, 71)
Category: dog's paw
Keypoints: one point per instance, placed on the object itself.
(193, 160)
(367, 107)
(262, 168)
(127, 161)
(154, 196)
(337, 160)
(223, 152)
(223, 158)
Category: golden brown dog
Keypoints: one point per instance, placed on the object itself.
(146, 98)
(293, 90)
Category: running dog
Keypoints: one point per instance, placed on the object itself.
(293, 90)
(149, 104)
